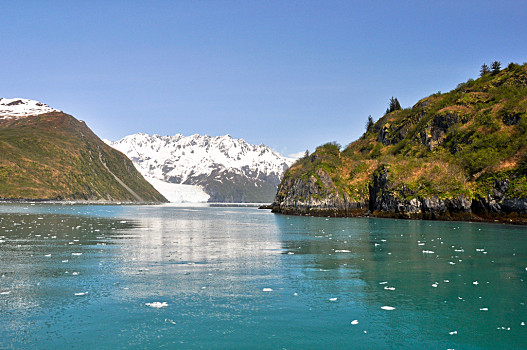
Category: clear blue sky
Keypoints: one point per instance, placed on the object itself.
(289, 74)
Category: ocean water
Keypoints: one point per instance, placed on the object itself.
(199, 277)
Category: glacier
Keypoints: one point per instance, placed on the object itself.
(226, 169)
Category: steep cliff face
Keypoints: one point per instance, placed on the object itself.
(461, 155)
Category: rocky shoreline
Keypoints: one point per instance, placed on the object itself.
(318, 196)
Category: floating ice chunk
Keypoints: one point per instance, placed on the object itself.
(267, 290)
(389, 288)
(354, 322)
(342, 251)
(452, 333)
(333, 299)
(167, 320)
(157, 304)
(483, 309)
(428, 252)
(81, 293)
(389, 308)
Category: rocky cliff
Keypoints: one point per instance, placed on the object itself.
(460, 155)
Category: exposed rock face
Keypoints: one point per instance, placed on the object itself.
(318, 196)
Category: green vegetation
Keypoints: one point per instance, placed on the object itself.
(460, 143)
(54, 156)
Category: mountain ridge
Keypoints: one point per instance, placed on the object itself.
(228, 169)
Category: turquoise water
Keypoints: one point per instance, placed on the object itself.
(74, 276)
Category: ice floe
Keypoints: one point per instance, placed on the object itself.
(167, 320)
(157, 304)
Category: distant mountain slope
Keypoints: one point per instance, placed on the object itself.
(229, 170)
(457, 155)
(47, 154)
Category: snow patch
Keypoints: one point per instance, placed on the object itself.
(14, 108)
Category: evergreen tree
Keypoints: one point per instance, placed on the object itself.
(496, 67)
(484, 70)
(394, 105)
(369, 123)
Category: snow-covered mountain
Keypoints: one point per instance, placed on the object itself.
(13, 108)
(227, 169)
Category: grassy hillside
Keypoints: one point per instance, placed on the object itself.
(55, 156)
(468, 143)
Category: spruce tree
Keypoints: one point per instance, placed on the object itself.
(484, 70)
(369, 123)
(496, 67)
(394, 105)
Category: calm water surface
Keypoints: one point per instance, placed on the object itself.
(75, 276)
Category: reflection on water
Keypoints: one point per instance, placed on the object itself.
(88, 276)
